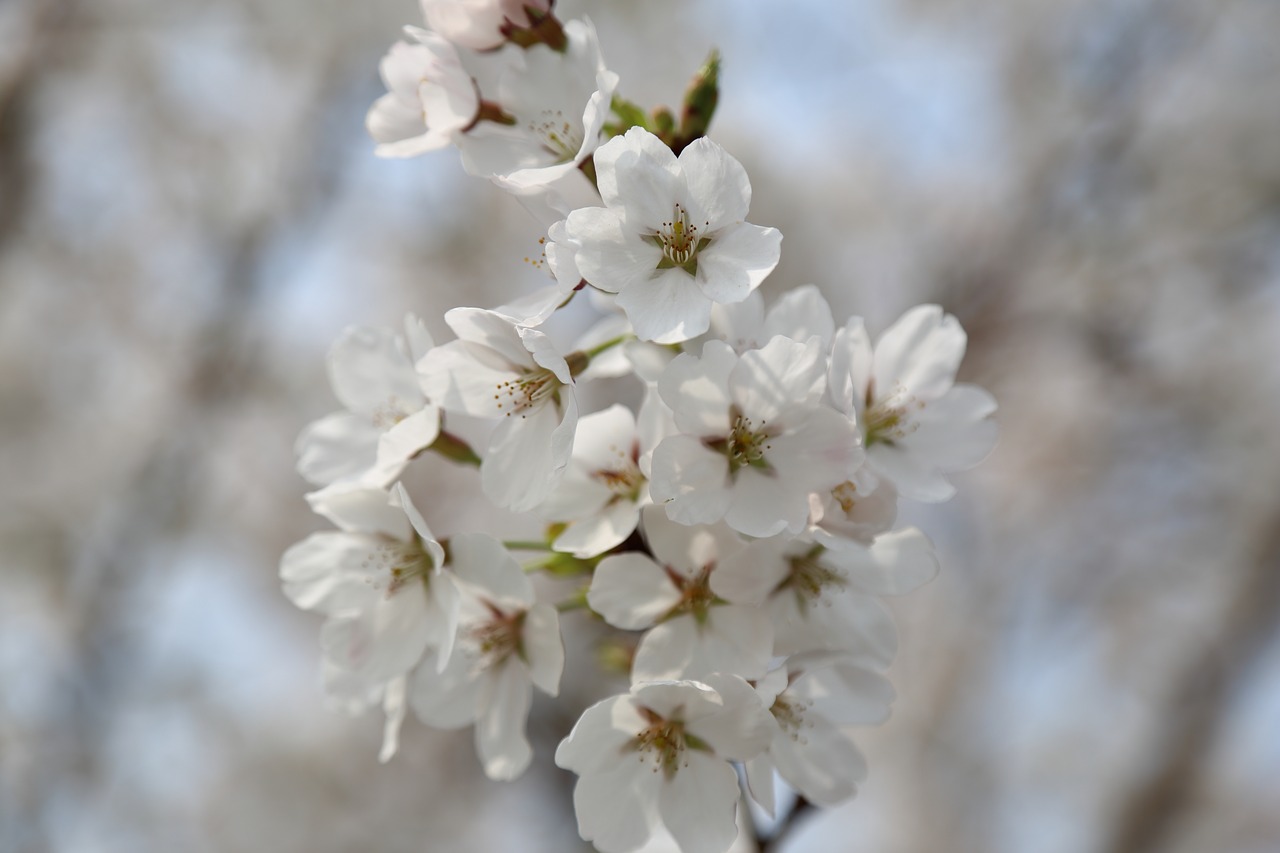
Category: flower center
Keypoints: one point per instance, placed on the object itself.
(809, 578)
(624, 479)
(696, 597)
(845, 494)
(789, 714)
(500, 636)
(528, 391)
(680, 240)
(745, 445)
(393, 565)
(391, 412)
(559, 136)
(889, 419)
(663, 741)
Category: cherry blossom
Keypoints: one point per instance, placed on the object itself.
(917, 423)
(671, 239)
(507, 643)
(694, 632)
(659, 756)
(755, 438)
(430, 100)
(388, 416)
(479, 24)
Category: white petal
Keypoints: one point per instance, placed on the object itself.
(742, 728)
(765, 504)
(665, 652)
(599, 736)
(405, 440)
(608, 254)
(369, 367)
(667, 308)
(780, 378)
(446, 700)
(360, 509)
(699, 804)
(500, 737)
(850, 372)
(737, 260)
(324, 572)
(820, 762)
(753, 573)
(638, 174)
(684, 548)
(526, 456)
(400, 498)
(482, 563)
(631, 591)
(735, 640)
(920, 352)
(336, 447)
(615, 807)
(697, 389)
(489, 330)
(458, 381)
(954, 432)
(823, 452)
(845, 693)
(759, 772)
(719, 191)
(394, 706)
(911, 474)
(543, 647)
(800, 314)
(595, 535)
(896, 563)
(691, 479)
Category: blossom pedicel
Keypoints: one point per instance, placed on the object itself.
(738, 528)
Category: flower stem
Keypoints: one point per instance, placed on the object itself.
(525, 545)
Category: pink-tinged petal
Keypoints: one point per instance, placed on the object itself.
(501, 743)
(609, 255)
(850, 372)
(911, 474)
(527, 454)
(394, 706)
(699, 804)
(615, 807)
(759, 772)
(823, 452)
(845, 693)
(697, 389)
(719, 191)
(483, 564)
(737, 260)
(324, 572)
(753, 573)
(735, 640)
(631, 591)
(638, 174)
(783, 378)
(667, 308)
(445, 699)
(665, 652)
(896, 563)
(336, 447)
(765, 504)
(820, 762)
(543, 648)
(592, 536)
(360, 509)
(920, 353)
(800, 314)
(691, 480)
(369, 367)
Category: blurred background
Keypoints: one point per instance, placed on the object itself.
(190, 212)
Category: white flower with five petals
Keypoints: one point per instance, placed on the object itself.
(671, 239)
(660, 755)
(507, 643)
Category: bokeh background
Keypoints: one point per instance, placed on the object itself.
(190, 212)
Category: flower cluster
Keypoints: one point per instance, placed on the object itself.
(738, 531)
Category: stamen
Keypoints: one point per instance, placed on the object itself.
(393, 565)
(889, 419)
(624, 479)
(533, 388)
(745, 445)
(500, 637)
(664, 742)
(561, 137)
(680, 241)
(809, 578)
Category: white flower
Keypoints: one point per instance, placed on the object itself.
(798, 314)
(853, 513)
(479, 24)
(559, 102)
(430, 97)
(810, 701)
(506, 644)
(380, 581)
(388, 418)
(659, 756)
(603, 489)
(826, 600)
(755, 438)
(917, 423)
(695, 632)
(671, 239)
(500, 369)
